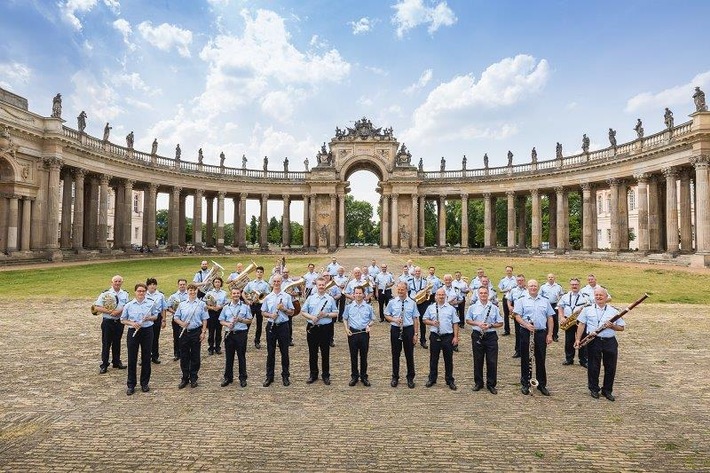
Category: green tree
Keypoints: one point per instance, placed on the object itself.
(274, 231)
(161, 226)
(296, 233)
(253, 230)
(430, 223)
(358, 221)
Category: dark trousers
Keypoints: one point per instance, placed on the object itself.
(520, 347)
(556, 322)
(155, 350)
(460, 313)
(214, 331)
(111, 333)
(277, 334)
(290, 330)
(259, 319)
(440, 344)
(506, 317)
(421, 308)
(341, 307)
(485, 350)
(569, 347)
(236, 342)
(176, 339)
(190, 354)
(144, 340)
(383, 297)
(359, 344)
(602, 350)
(407, 343)
(540, 351)
(318, 338)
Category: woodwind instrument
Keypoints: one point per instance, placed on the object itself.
(485, 320)
(401, 322)
(145, 316)
(189, 319)
(317, 317)
(276, 308)
(531, 354)
(572, 319)
(438, 328)
(235, 319)
(599, 330)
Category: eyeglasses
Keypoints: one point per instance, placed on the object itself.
(140, 290)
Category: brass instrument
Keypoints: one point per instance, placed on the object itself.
(108, 301)
(242, 280)
(592, 335)
(329, 285)
(174, 303)
(422, 296)
(465, 279)
(572, 319)
(209, 299)
(254, 297)
(299, 284)
(215, 271)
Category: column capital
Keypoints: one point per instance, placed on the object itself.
(684, 174)
(286, 197)
(670, 172)
(613, 182)
(199, 193)
(264, 197)
(559, 190)
(385, 197)
(510, 193)
(53, 162)
(487, 195)
(177, 190)
(642, 177)
(464, 196)
(129, 183)
(153, 188)
(79, 173)
(534, 192)
(702, 161)
(105, 178)
(243, 197)
(395, 196)
(27, 197)
(221, 195)
(586, 186)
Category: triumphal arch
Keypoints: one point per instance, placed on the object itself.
(59, 186)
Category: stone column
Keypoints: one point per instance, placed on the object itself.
(385, 221)
(686, 219)
(702, 204)
(394, 221)
(642, 227)
(65, 229)
(102, 239)
(13, 223)
(614, 244)
(415, 222)
(197, 219)
(26, 223)
(464, 220)
(91, 216)
(341, 220)
(587, 203)
(174, 220)
(149, 209)
(209, 223)
(487, 221)
(3, 222)
(654, 233)
(521, 221)
(54, 165)
(182, 221)
(286, 222)
(118, 210)
(313, 230)
(421, 232)
(552, 221)
(562, 220)
(442, 222)
(671, 210)
(242, 221)
(511, 219)
(306, 222)
(220, 220)
(594, 218)
(235, 225)
(264, 223)
(536, 222)
(77, 230)
(128, 214)
(332, 236)
(623, 215)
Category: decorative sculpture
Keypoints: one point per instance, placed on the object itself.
(463, 162)
(221, 159)
(510, 158)
(558, 150)
(485, 160)
(107, 130)
(81, 121)
(699, 99)
(612, 138)
(266, 163)
(533, 155)
(200, 156)
(305, 164)
(668, 118)
(154, 147)
(244, 161)
(420, 167)
(585, 143)
(404, 157)
(286, 164)
(639, 128)
(129, 140)
(57, 106)
(178, 152)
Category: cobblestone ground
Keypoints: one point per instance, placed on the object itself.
(59, 414)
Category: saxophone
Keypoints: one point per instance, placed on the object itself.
(423, 295)
(572, 319)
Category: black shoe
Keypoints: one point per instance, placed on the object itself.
(218, 351)
(257, 345)
(175, 358)
(525, 390)
(182, 384)
(332, 343)
(145, 388)
(193, 384)
(267, 382)
(291, 343)
(311, 379)
(103, 369)
(543, 390)
(456, 348)
(424, 345)
(225, 383)
(366, 383)
(210, 351)
(505, 334)
(120, 366)
(555, 338)
(583, 363)
(286, 381)
(394, 382)
(156, 361)
(130, 391)
(594, 394)
(492, 389)
(410, 384)
(452, 386)
(353, 382)
(567, 362)
(326, 381)
(609, 396)
(516, 355)
(477, 387)
(430, 383)
(243, 383)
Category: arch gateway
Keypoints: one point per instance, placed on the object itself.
(62, 192)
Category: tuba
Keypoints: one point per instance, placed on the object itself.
(422, 296)
(243, 279)
(215, 271)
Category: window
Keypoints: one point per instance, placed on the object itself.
(136, 233)
(608, 234)
(600, 206)
(632, 199)
(136, 203)
(608, 203)
(599, 234)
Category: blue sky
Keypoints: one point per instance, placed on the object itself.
(276, 77)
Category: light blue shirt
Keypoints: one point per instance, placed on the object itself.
(445, 314)
(158, 300)
(178, 296)
(232, 311)
(193, 312)
(121, 298)
(476, 283)
(594, 317)
(272, 301)
(332, 268)
(396, 307)
(354, 283)
(358, 316)
(256, 285)
(310, 278)
(437, 283)
(384, 280)
(404, 278)
(571, 301)
(553, 292)
(516, 293)
(341, 281)
(492, 295)
(201, 275)
(452, 295)
(461, 285)
(416, 285)
(335, 292)
(220, 297)
(315, 304)
(487, 314)
(506, 284)
(233, 276)
(534, 310)
(589, 291)
(373, 270)
(135, 311)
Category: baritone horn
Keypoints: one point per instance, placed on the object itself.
(215, 271)
(242, 280)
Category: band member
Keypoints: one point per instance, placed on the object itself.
(436, 283)
(341, 280)
(235, 317)
(405, 277)
(111, 326)
(160, 304)
(310, 279)
(553, 292)
(139, 315)
(460, 285)
(358, 317)
(505, 285)
(191, 316)
(383, 283)
(485, 318)
(476, 282)
(569, 303)
(278, 309)
(239, 270)
(604, 348)
(320, 309)
(258, 286)
(534, 314)
(333, 267)
(215, 300)
(417, 284)
(410, 267)
(402, 314)
(373, 270)
(492, 295)
(444, 334)
(334, 292)
(358, 280)
(173, 302)
(201, 278)
(592, 284)
(453, 298)
(294, 292)
(514, 294)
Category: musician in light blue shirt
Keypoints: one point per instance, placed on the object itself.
(604, 348)
(505, 285)
(310, 278)
(553, 292)
(358, 280)
(403, 316)
(534, 314)
(444, 334)
(173, 302)
(257, 286)
(139, 315)
(111, 326)
(201, 278)
(235, 317)
(572, 302)
(383, 283)
(160, 304)
(341, 279)
(333, 267)
(517, 292)
(235, 274)
(215, 300)
(485, 318)
(278, 309)
(358, 318)
(373, 270)
(320, 309)
(192, 317)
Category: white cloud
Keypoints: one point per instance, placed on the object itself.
(317, 42)
(278, 104)
(365, 101)
(377, 70)
(96, 97)
(124, 27)
(423, 80)
(412, 13)
(166, 36)
(678, 95)
(135, 82)
(14, 74)
(70, 8)
(361, 26)
(452, 109)
(114, 6)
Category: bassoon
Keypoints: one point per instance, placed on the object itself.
(599, 330)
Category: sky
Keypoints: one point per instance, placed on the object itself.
(274, 78)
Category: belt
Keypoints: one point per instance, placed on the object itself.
(193, 330)
(356, 331)
(605, 338)
(540, 330)
(232, 332)
(277, 325)
(443, 334)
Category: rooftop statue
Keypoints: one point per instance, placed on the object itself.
(200, 156)
(154, 147)
(699, 99)
(533, 155)
(421, 165)
(442, 166)
(404, 157)
(266, 163)
(81, 121)
(244, 161)
(305, 164)
(585, 143)
(485, 160)
(57, 106)
(221, 159)
(612, 138)
(286, 164)
(558, 150)
(639, 128)
(107, 130)
(178, 152)
(510, 158)
(668, 118)
(463, 162)
(129, 140)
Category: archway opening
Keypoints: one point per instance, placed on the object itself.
(363, 212)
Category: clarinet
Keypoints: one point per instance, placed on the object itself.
(314, 323)
(438, 329)
(235, 318)
(485, 319)
(273, 322)
(531, 357)
(401, 322)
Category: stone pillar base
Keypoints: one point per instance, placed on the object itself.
(55, 255)
(264, 248)
(322, 250)
(559, 251)
(700, 261)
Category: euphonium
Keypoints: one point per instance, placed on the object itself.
(422, 296)
(215, 271)
(243, 279)
(330, 284)
(572, 319)
(293, 284)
